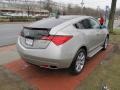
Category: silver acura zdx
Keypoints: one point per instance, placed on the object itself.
(63, 42)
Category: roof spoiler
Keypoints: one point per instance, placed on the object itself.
(32, 28)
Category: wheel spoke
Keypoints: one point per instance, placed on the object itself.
(80, 61)
(106, 43)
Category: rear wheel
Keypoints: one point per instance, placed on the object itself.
(78, 62)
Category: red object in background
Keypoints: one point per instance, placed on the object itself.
(101, 20)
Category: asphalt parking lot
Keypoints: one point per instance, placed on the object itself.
(45, 79)
(9, 32)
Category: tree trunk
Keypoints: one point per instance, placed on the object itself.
(112, 14)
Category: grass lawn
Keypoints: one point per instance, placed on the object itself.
(108, 72)
(10, 81)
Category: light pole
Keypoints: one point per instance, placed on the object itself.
(106, 13)
(82, 4)
(98, 11)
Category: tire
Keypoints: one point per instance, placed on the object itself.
(78, 62)
(106, 43)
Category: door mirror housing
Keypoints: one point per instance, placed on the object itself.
(101, 27)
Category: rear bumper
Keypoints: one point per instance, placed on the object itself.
(49, 56)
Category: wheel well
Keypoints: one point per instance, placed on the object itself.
(108, 35)
(85, 48)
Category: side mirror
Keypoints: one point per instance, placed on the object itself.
(102, 27)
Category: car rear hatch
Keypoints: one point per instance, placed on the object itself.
(32, 37)
(37, 35)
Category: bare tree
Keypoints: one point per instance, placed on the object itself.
(48, 6)
(28, 6)
(112, 14)
(76, 10)
(69, 9)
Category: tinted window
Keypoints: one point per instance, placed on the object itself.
(86, 24)
(33, 33)
(94, 23)
(79, 25)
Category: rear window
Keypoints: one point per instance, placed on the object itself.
(34, 33)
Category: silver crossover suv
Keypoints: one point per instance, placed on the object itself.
(63, 42)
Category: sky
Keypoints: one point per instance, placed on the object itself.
(91, 3)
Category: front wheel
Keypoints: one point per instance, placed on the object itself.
(78, 62)
(106, 43)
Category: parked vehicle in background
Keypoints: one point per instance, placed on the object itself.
(64, 42)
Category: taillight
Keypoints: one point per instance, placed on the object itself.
(58, 40)
(47, 38)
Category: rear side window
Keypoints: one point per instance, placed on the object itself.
(79, 26)
(94, 23)
(84, 24)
